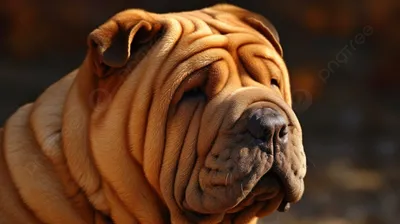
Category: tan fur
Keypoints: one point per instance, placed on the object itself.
(111, 139)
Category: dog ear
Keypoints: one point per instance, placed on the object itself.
(113, 42)
(266, 28)
(257, 21)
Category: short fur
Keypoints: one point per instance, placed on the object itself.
(138, 132)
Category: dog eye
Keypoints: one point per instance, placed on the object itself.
(274, 82)
(191, 87)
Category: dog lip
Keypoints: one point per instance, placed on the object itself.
(291, 187)
(289, 182)
(267, 189)
(278, 172)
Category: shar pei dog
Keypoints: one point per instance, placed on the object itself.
(171, 118)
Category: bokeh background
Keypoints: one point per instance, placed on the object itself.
(343, 57)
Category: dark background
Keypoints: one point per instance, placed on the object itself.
(350, 113)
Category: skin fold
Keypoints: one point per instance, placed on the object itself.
(153, 127)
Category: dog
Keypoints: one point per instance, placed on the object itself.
(171, 118)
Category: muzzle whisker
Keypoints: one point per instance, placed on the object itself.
(226, 179)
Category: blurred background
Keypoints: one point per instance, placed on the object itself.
(342, 56)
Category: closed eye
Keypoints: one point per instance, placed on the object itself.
(274, 82)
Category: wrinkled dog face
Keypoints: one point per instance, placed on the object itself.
(212, 91)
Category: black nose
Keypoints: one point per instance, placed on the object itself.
(267, 125)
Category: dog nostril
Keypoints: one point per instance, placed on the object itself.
(283, 132)
(255, 125)
(266, 123)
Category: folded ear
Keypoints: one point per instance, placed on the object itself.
(266, 28)
(114, 41)
(257, 21)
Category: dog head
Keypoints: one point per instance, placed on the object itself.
(200, 101)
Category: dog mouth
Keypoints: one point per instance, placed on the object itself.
(246, 169)
(238, 178)
(268, 191)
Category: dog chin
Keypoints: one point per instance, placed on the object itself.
(239, 192)
(229, 178)
(267, 195)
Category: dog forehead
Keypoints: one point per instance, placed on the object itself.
(225, 15)
(222, 12)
